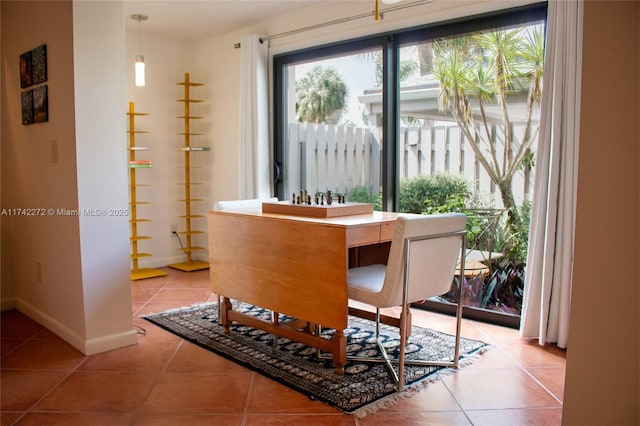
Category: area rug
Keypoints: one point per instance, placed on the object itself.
(364, 388)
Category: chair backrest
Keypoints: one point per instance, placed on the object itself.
(253, 204)
(435, 243)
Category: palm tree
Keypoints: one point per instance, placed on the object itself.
(408, 68)
(481, 70)
(321, 96)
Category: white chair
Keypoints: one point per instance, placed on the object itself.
(243, 205)
(424, 253)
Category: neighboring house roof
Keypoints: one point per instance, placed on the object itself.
(419, 98)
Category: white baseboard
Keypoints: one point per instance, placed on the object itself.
(87, 347)
(163, 262)
(107, 343)
(7, 303)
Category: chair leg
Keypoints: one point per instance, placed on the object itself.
(404, 324)
(404, 328)
(407, 328)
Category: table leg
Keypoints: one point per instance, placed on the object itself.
(224, 314)
(339, 351)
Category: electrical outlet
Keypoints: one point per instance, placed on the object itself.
(174, 229)
(54, 151)
(38, 271)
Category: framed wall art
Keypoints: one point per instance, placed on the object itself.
(33, 72)
(27, 107)
(26, 73)
(33, 66)
(39, 64)
(40, 104)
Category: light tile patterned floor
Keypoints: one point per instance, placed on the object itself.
(164, 380)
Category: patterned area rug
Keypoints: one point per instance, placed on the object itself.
(364, 388)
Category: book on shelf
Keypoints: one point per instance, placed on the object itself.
(140, 163)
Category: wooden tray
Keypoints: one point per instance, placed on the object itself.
(334, 210)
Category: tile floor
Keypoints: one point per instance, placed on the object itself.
(164, 380)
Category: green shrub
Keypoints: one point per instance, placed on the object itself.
(439, 193)
(362, 194)
(515, 243)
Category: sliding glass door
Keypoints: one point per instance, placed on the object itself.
(433, 119)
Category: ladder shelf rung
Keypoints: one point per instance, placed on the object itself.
(192, 248)
(192, 233)
(140, 255)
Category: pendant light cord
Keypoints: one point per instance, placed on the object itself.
(138, 17)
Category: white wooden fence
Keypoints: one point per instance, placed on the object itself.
(324, 157)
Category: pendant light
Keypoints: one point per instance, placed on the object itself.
(139, 67)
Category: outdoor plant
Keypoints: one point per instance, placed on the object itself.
(321, 96)
(479, 71)
(438, 193)
(513, 242)
(501, 290)
(362, 194)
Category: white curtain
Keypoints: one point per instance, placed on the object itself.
(547, 297)
(255, 179)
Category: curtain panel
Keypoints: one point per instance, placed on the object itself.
(254, 179)
(547, 298)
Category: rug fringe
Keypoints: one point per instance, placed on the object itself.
(414, 388)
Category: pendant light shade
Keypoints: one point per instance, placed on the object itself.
(139, 71)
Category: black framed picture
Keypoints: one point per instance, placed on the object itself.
(39, 64)
(27, 107)
(33, 70)
(26, 73)
(40, 104)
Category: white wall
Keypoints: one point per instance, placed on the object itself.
(8, 294)
(31, 180)
(70, 273)
(605, 322)
(166, 60)
(101, 174)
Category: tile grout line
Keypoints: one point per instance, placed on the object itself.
(543, 386)
(158, 290)
(53, 387)
(462, 410)
(245, 410)
(159, 376)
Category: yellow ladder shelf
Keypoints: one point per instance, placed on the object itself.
(137, 273)
(190, 264)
